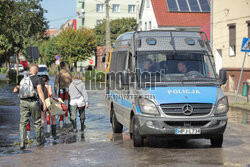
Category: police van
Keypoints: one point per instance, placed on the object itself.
(164, 84)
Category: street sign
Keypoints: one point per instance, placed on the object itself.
(57, 62)
(245, 45)
(91, 61)
(32, 52)
(57, 57)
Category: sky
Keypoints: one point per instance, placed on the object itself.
(59, 11)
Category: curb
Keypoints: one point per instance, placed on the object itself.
(239, 107)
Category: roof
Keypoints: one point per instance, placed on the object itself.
(166, 18)
(206, 29)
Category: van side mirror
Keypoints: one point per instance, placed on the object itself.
(124, 77)
(223, 76)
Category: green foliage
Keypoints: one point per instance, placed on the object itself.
(3, 70)
(94, 75)
(22, 23)
(50, 50)
(117, 27)
(53, 71)
(76, 45)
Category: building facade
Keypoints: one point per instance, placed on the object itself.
(231, 22)
(174, 14)
(92, 12)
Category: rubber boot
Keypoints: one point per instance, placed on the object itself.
(74, 126)
(22, 138)
(53, 132)
(82, 126)
(41, 138)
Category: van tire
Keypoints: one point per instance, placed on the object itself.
(217, 141)
(116, 126)
(138, 140)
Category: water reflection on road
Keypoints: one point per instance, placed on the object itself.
(98, 146)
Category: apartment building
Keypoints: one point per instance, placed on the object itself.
(231, 23)
(92, 12)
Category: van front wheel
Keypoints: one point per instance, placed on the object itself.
(116, 126)
(137, 138)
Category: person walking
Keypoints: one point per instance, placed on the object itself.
(47, 90)
(79, 100)
(29, 89)
(62, 80)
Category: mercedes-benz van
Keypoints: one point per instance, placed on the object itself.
(164, 83)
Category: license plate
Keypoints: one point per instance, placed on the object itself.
(187, 131)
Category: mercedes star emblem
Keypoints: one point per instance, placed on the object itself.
(187, 109)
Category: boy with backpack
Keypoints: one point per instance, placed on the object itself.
(29, 89)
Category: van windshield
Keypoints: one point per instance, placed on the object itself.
(174, 66)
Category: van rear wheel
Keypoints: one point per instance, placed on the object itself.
(217, 141)
(137, 138)
(116, 126)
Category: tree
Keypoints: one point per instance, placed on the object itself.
(117, 27)
(22, 23)
(76, 45)
(48, 50)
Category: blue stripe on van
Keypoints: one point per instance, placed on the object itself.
(120, 101)
(138, 109)
(184, 94)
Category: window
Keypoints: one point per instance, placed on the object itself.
(83, 20)
(188, 5)
(131, 8)
(147, 4)
(99, 8)
(149, 25)
(115, 8)
(83, 4)
(98, 22)
(232, 40)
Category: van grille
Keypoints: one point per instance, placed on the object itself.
(199, 109)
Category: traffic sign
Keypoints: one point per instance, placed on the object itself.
(57, 57)
(91, 61)
(245, 45)
(57, 62)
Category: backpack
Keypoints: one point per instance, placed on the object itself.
(26, 88)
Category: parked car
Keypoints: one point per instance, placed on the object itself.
(42, 70)
(14, 67)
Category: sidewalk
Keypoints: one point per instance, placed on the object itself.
(241, 101)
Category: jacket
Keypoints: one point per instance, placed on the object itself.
(63, 78)
(75, 87)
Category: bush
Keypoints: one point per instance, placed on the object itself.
(53, 71)
(3, 70)
(94, 75)
(12, 76)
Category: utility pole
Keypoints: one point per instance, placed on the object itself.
(107, 31)
(108, 45)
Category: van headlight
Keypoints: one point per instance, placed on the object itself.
(148, 107)
(222, 106)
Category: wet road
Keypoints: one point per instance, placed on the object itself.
(97, 146)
